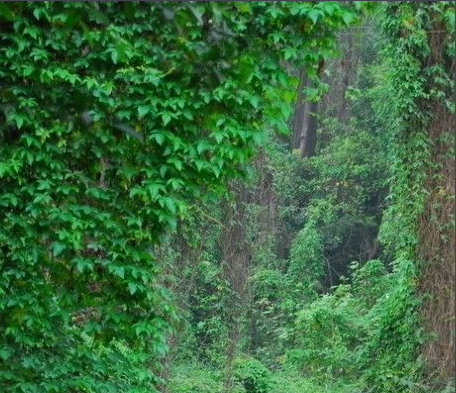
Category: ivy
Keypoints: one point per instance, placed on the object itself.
(415, 87)
(116, 116)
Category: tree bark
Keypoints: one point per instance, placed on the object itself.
(308, 139)
(299, 114)
(304, 121)
(236, 256)
(436, 226)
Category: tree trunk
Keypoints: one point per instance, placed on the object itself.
(308, 139)
(299, 114)
(236, 269)
(436, 226)
(304, 121)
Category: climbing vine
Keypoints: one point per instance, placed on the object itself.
(116, 117)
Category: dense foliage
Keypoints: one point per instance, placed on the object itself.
(116, 116)
(333, 239)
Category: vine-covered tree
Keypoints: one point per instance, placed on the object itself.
(116, 116)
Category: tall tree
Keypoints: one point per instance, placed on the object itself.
(436, 225)
(304, 120)
(421, 52)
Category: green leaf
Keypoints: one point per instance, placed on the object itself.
(166, 117)
(218, 137)
(143, 110)
(348, 18)
(200, 165)
(57, 248)
(163, 170)
(216, 170)
(84, 264)
(159, 138)
(119, 271)
(314, 14)
(114, 55)
(132, 287)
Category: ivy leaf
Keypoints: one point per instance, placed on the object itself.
(314, 14)
(119, 271)
(199, 165)
(114, 55)
(159, 138)
(5, 353)
(166, 117)
(83, 264)
(348, 18)
(132, 287)
(143, 110)
(57, 248)
(163, 170)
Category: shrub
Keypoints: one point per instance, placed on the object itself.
(332, 331)
(194, 380)
(252, 375)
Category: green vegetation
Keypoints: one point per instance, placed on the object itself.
(227, 197)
